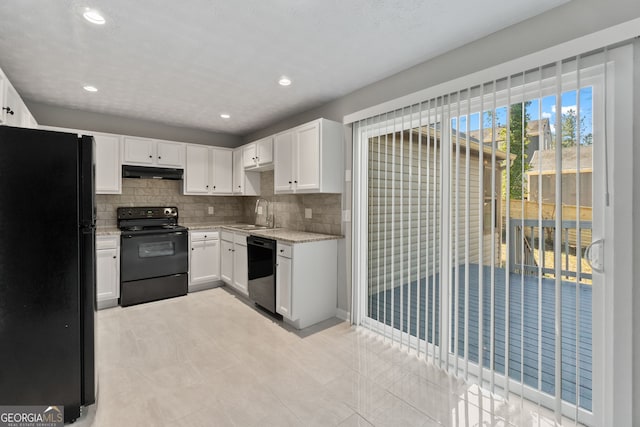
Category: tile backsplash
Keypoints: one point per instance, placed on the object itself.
(326, 209)
(160, 192)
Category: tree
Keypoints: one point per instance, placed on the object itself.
(570, 129)
(518, 142)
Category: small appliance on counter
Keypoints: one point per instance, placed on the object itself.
(47, 270)
(154, 256)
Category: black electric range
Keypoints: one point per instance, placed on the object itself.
(154, 256)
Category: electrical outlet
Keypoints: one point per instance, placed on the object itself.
(346, 215)
(307, 213)
(210, 210)
(259, 210)
(347, 175)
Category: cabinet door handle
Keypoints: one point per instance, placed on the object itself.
(193, 249)
(214, 187)
(159, 157)
(295, 182)
(289, 182)
(8, 110)
(150, 156)
(114, 257)
(281, 250)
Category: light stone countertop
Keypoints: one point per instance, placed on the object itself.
(202, 227)
(284, 235)
(292, 236)
(107, 231)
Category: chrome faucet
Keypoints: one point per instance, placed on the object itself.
(269, 219)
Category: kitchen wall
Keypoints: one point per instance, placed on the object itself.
(290, 209)
(50, 115)
(157, 192)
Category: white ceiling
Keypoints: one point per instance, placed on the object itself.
(185, 62)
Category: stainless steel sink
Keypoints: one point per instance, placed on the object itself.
(250, 227)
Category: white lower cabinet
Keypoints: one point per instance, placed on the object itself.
(233, 261)
(307, 282)
(240, 268)
(204, 261)
(283, 281)
(107, 271)
(226, 261)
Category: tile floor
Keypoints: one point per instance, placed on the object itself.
(211, 359)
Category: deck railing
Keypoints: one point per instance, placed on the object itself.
(526, 232)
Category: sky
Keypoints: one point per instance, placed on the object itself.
(568, 102)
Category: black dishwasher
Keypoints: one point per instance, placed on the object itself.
(261, 254)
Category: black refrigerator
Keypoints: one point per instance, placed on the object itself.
(47, 269)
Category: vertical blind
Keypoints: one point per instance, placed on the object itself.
(475, 245)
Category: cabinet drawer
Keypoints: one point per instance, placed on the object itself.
(107, 243)
(204, 235)
(226, 235)
(284, 250)
(241, 239)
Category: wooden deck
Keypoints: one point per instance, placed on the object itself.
(523, 326)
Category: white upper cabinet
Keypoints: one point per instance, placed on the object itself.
(309, 158)
(222, 172)
(245, 183)
(208, 171)
(170, 154)
(150, 152)
(108, 168)
(3, 91)
(196, 174)
(283, 162)
(238, 172)
(14, 112)
(258, 155)
(138, 151)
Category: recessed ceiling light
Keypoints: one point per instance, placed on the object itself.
(225, 116)
(94, 16)
(90, 88)
(284, 81)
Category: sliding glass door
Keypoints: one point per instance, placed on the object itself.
(482, 207)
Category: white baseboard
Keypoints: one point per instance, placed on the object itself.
(203, 286)
(343, 315)
(107, 303)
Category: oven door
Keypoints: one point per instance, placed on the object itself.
(153, 255)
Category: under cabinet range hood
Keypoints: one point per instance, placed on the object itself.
(147, 172)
